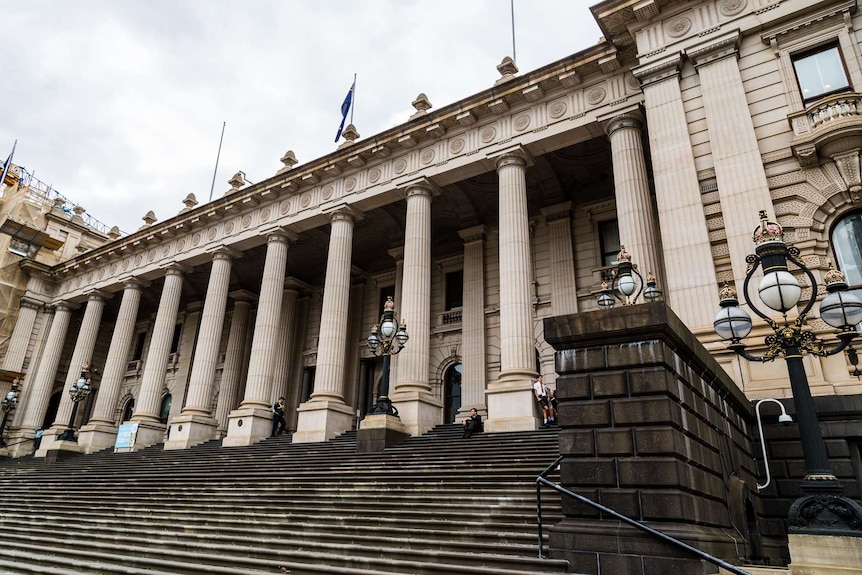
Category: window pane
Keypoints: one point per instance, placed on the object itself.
(847, 245)
(454, 290)
(820, 73)
(609, 236)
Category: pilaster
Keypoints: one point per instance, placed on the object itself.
(564, 289)
(473, 339)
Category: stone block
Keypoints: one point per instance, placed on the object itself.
(609, 384)
(668, 505)
(657, 471)
(652, 410)
(586, 414)
(573, 387)
(614, 442)
(625, 501)
(636, 353)
(659, 441)
(588, 472)
(653, 381)
(577, 442)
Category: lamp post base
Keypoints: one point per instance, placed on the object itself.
(383, 407)
(68, 435)
(826, 514)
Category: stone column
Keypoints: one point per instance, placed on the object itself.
(510, 401)
(564, 290)
(82, 354)
(20, 340)
(684, 236)
(418, 409)
(287, 327)
(196, 424)
(101, 431)
(150, 429)
(397, 254)
(233, 358)
(325, 414)
(742, 186)
(252, 421)
(42, 382)
(473, 342)
(635, 214)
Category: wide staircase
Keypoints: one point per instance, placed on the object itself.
(435, 504)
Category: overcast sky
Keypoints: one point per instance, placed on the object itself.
(118, 104)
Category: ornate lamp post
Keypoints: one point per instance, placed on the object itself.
(387, 339)
(822, 509)
(626, 279)
(79, 390)
(8, 405)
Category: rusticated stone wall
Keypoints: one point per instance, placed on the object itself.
(653, 428)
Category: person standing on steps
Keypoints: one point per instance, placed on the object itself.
(278, 422)
(541, 393)
(472, 424)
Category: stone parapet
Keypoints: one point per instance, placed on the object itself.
(653, 428)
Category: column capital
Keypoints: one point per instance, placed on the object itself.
(134, 283)
(29, 302)
(420, 186)
(279, 234)
(98, 295)
(345, 213)
(473, 234)
(242, 295)
(295, 284)
(224, 253)
(632, 119)
(176, 269)
(655, 72)
(64, 306)
(715, 49)
(514, 156)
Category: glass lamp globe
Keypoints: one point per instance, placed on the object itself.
(841, 309)
(387, 329)
(627, 285)
(780, 291)
(732, 323)
(606, 301)
(402, 336)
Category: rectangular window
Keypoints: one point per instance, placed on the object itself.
(139, 346)
(175, 342)
(820, 72)
(385, 292)
(454, 290)
(609, 240)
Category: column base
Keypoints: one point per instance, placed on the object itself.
(322, 420)
(419, 411)
(97, 436)
(149, 433)
(189, 430)
(377, 432)
(49, 437)
(511, 403)
(825, 555)
(247, 425)
(20, 443)
(59, 449)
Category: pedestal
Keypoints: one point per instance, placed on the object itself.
(511, 404)
(321, 420)
(190, 430)
(825, 555)
(377, 432)
(247, 425)
(59, 450)
(97, 436)
(419, 412)
(149, 433)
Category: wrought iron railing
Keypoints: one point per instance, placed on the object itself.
(543, 480)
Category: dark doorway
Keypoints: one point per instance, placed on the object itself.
(452, 386)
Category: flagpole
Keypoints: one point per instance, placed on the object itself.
(218, 155)
(512, 11)
(8, 162)
(353, 105)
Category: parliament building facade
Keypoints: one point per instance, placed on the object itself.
(480, 219)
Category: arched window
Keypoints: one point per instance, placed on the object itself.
(847, 246)
(165, 411)
(128, 410)
(452, 383)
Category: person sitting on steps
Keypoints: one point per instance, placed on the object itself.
(472, 424)
(278, 422)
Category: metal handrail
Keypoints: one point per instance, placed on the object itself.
(542, 480)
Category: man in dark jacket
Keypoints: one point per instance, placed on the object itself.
(278, 422)
(472, 424)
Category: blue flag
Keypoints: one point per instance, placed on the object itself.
(345, 107)
(8, 163)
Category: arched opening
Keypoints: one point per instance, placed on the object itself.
(128, 410)
(452, 393)
(847, 247)
(165, 411)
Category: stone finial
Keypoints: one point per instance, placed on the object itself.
(78, 212)
(149, 219)
(114, 233)
(190, 202)
(289, 160)
(237, 181)
(422, 105)
(350, 135)
(82, 247)
(507, 69)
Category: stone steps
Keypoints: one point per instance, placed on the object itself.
(435, 504)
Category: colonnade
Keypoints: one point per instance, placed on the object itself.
(508, 400)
